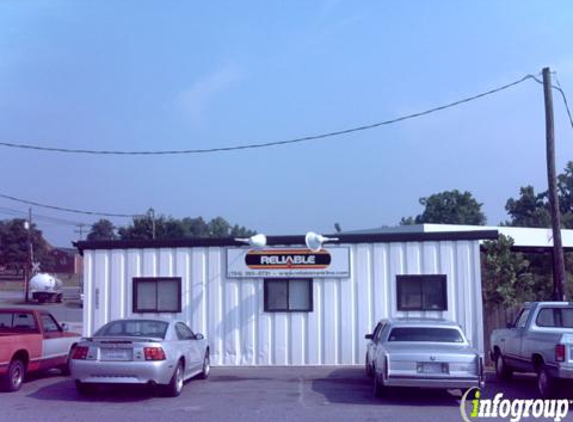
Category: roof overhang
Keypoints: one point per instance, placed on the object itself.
(474, 235)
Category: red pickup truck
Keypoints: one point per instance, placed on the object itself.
(31, 340)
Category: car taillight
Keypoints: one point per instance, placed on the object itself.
(80, 352)
(154, 353)
(560, 353)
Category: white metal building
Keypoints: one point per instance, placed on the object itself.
(284, 304)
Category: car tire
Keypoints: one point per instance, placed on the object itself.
(378, 386)
(206, 366)
(502, 371)
(65, 368)
(14, 376)
(367, 367)
(83, 388)
(175, 386)
(545, 383)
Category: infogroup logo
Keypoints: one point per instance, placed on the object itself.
(512, 409)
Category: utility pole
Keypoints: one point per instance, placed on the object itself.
(80, 230)
(558, 259)
(28, 272)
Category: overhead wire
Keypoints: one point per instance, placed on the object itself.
(270, 143)
(71, 210)
(259, 145)
(560, 90)
(40, 217)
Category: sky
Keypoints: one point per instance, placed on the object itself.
(166, 75)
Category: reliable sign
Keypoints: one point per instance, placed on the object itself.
(287, 262)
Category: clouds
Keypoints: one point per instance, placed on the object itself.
(196, 99)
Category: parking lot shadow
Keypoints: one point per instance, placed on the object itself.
(65, 390)
(351, 385)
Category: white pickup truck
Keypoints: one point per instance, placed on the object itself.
(541, 341)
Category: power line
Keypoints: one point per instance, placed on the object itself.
(40, 217)
(72, 210)
(272, 143)
(560, 90)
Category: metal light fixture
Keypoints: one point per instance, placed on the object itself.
(314, 241)
(256, 241)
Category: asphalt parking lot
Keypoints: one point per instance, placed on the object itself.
(69, 311)
(246, 394)
(253, 394)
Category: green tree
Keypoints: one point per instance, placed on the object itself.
(529, 210)
(172, 228)
(506, 278)
(449, 207)
(14, 245)
(140, 228)
(195, 227)
(102, 230)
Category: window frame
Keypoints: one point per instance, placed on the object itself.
(267, 281)
(157, 280)
(527, 313)
(553, 309)
(51, 319)
(422, 278)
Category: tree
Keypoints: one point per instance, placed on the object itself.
(14, 245)
(172, 228)
(407, 221)
(506, 278)
(102, 230)
(449, 207)
(529, 210)
(140, 229)
(196, 227)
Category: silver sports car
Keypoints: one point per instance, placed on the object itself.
(428, 353)
(140, 351)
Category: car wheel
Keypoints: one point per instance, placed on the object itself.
(378, 386)
(83, 388)
(175, 386)
(367, 367)
(206, 366)
(545, 383)
(14, 377)
(502, 370)
(65, 368)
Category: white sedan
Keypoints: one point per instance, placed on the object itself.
(155, 352)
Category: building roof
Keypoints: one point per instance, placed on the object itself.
(343, 238)
(524, 238)
(69, 251)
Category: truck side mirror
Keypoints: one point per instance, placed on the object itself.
(65, 326)
(368, 336)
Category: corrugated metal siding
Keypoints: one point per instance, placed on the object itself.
(230, 311)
